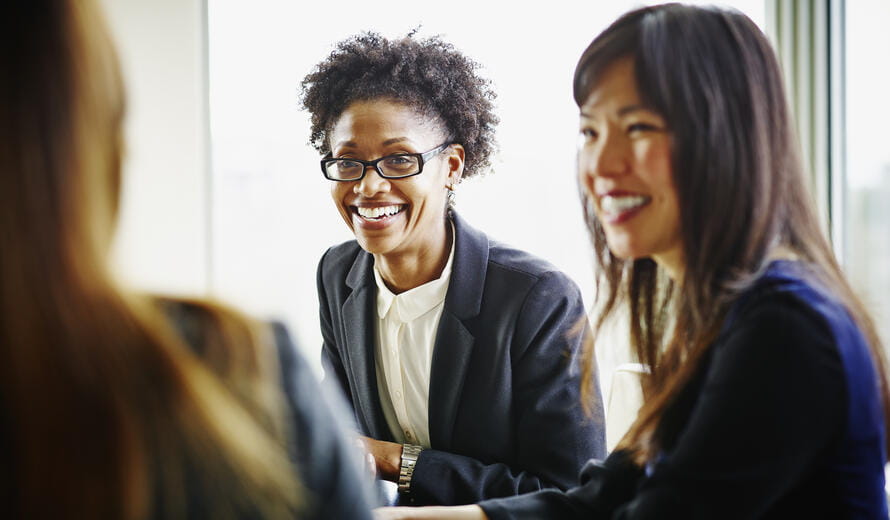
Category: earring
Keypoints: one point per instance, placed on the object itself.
(450, 188)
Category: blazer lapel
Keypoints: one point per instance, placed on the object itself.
(454, 341)
(359, 315)
(451, 359)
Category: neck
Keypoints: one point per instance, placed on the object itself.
(405, 271)
(783, 252)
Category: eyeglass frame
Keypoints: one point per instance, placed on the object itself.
(422, 157)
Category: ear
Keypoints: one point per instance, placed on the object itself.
(455, 161)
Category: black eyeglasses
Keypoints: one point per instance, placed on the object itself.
(396, 166)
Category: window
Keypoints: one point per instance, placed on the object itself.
(865, 191)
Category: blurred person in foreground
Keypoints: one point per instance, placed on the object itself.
(767, 393)
(115, 404)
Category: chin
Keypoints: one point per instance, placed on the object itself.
(626, 253)
(624, 257)
(370, 246)
(373, 246)
(620, 250)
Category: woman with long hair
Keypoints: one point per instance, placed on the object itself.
(767, 392)
(115, 404)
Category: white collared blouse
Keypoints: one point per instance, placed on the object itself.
(406, 335)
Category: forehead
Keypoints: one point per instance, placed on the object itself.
(381, 119)
(616, 88)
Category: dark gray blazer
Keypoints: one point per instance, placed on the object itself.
(504, 406)
(334, 484)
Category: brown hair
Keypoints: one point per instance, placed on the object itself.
(105, 411)
(715, 79)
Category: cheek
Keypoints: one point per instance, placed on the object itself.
(429, 191)
(655, 160)
(338, 194)
(662, 180)
(337, 191)
(657, 154)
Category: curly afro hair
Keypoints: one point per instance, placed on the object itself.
(429, 75)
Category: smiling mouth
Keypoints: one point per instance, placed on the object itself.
(615, 206)
(380, 212)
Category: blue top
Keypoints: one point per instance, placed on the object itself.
(856, 462)
(783, 419)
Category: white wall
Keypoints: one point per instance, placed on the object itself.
(273, 215)
(162, 240)
(253, 232)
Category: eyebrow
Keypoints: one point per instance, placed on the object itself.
(388, 142)
(623, 111)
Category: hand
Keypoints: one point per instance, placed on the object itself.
(387, 457)
(430, 513)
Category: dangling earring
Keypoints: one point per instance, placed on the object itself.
(450, 200)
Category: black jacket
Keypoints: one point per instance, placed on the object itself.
(782, 419)
(504, 406)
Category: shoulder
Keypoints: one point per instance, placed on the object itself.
(780, 317)
(779, 308)
(199, 322)
(818, 327)
(502, 256)
(186, 318)
(787, 317)
(525, 270)
(794, 292)
(476, 250)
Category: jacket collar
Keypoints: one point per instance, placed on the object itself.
(362, 271)
(467, 273)
(454, 341)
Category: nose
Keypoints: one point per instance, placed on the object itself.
(607, 157)
(372, 183)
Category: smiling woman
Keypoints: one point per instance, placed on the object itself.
(629, 145)
(766, 395)
(393, 211)
(458, 353)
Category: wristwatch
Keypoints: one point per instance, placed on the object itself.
(410, 452)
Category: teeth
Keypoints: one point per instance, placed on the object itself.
(374, 213)
(613, 205)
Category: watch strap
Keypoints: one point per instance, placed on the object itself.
(410, 452)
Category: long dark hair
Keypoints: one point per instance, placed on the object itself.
(105, 411)
(713, 76)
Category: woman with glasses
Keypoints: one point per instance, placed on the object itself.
(457, 352)
(767, 393)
